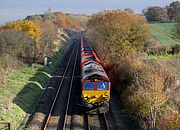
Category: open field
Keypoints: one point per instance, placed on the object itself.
(165, 33)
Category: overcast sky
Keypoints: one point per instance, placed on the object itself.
(19, 9)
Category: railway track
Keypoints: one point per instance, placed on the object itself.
(57, 115)
(97, 122)
(61, 107)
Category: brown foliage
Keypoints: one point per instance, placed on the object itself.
(66, 22)
(143, 87)
(29, 40)
(48, 43)
(116, 74)
(117, 33)
(169, 122)
(29, 27)
(151, 90)
(146, 95)
(16, 44)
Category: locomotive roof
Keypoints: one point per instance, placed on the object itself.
(92, 68)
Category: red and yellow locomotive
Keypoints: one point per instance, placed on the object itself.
(95, 82)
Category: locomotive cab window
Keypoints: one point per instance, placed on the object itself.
(102, 86)
(88, 85)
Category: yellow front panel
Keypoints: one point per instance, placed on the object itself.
(96, 96)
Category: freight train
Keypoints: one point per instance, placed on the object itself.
(95, 82)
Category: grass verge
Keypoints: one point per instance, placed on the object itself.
(23, 87)
(165, 56)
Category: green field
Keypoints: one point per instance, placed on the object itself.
(165, 33)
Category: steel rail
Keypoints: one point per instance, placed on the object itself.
(106, 122)
(88, 122)
(69, 96)
(102, 117)
(59, 88)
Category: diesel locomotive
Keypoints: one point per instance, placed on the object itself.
(95, 82)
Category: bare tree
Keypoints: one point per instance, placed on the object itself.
(149, 96)
(48, 39)
(16, 43)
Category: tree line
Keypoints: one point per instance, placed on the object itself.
(59, 18)
(169, 13)
(28, 41)
(120, 38)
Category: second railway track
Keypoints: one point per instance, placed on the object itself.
(56, 118)
(61, 107)
(97, 122)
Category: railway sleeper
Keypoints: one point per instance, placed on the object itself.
(97, 109)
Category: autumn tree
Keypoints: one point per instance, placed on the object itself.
(155, 13)
(49, 42)
(146, 96)
(15, 44)
(167, 13)
(173, 11)
(43, 38)
(62, 23)
(116, 34)
(31, 28)
(66, 22)
(178, 24)
(129, 10)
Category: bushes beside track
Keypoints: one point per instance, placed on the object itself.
(147, 88)
(149, 93)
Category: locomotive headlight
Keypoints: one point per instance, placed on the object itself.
(105, 95)
(85, 98)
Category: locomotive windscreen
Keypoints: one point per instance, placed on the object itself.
(102, 86)
(88, 85)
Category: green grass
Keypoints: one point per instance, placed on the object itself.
(10, 112)
(166, 27)
(165, 33)
(23, 87)
(165, 56)
(20, 91)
